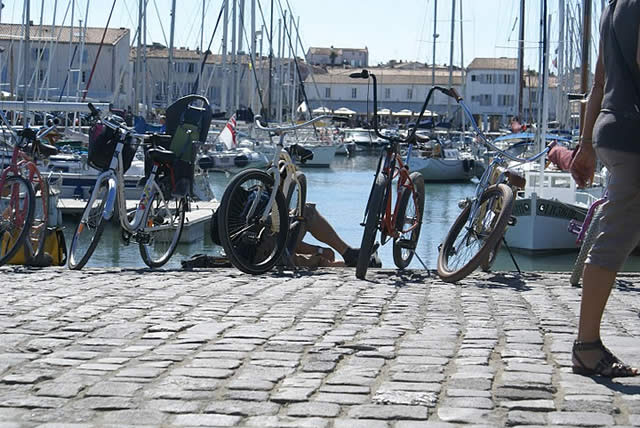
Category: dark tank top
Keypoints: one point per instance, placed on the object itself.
(618, 124)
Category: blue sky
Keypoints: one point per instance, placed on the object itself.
(399, 30)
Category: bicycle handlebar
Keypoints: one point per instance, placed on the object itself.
(116, 126)
(489, 144)
(283, 129)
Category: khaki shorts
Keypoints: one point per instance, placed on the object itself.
(620, 223)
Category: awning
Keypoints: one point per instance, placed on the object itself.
(344, 110)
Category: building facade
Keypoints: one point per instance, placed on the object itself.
(60, 70)
(398, 89)
(353, 57)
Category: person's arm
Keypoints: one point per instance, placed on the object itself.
(584, 162)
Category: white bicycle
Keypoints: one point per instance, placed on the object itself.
(261, 212)
(157, 222)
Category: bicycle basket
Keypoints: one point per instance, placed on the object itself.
(102, 144)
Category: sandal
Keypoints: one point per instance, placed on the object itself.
(608, 366)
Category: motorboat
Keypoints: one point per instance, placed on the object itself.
(440, 163)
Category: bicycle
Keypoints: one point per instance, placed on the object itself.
(156, 223)
(587, 232)
(23, 223)
(477, 234)
(403, 222)
(257, 223)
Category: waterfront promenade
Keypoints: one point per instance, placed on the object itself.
(320, 349)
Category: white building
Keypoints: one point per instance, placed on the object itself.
(49, 77)
(398, 89)
(492, 92)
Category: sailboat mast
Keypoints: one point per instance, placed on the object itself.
(27, 49)
(453, 29)
(584, 72)
(170, 65)
(225, 75)
(462, 72)
(136, 90)
(270, 62)
(435, 36)
(560, 104)
(253, 55)
(521, 59)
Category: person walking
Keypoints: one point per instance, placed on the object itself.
(610, 132)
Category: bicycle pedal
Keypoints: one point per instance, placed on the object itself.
(142, 238)
(406, 244)
(512, 221)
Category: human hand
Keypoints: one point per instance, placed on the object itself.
(583, 165)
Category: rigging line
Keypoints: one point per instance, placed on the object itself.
(196, 84)
(253, 66)
(164, 36)
(93, 68)
(264, 21)
(54, 48)
(131, 21)
(295, 60)
(424, 23)
(302, 48)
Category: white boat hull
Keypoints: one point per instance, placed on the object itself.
(322, 155)
(442, 169)
(542, 225)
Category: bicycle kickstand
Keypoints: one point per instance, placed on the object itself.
(513, 259)
(424, 265)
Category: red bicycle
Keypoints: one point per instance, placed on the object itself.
(400, 220)
(24, 196)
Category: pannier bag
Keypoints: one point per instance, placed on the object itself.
(102, 144)
(54, 245)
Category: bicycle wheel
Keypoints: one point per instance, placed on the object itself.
(253, 245)
(164, 221)
(17, 204)
(469, 241)
(38, 230)
(408, 221)
(296, 199)
(375, 205)
(588, 241)
(89, 229)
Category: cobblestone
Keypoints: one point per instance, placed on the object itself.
(119, 348)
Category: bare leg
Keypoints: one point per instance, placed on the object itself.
(596, 288)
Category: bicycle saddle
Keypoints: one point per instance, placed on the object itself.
(159, 154)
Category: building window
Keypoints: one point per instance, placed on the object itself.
(84, 77)
(484, 100)
(354, 92)
(327, 92)
(41, 75)
(192, 67)
(410, 93)
(387, 93)
(473, 77)
(506, 100)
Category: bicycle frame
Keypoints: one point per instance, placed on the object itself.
(274, 169)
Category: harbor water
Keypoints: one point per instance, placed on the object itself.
(340, 194)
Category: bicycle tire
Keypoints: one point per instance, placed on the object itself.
(12, 234)
(589, 239)
(374, 211)
(94, 226)
(486, 264)
(296, 214)
(489, 236)
(252, 246)
(157, 237)
(402, 256)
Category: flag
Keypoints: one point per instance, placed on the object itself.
(228, 134)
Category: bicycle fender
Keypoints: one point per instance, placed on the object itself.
(111, 200)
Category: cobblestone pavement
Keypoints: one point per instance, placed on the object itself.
(322, 349)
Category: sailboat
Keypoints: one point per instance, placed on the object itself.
(229, 156)
(550, 199)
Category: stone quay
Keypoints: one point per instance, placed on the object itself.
(215, 347)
